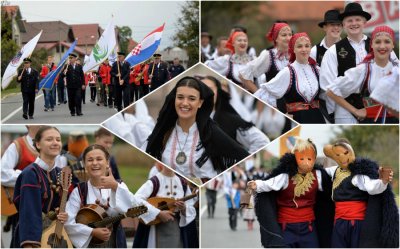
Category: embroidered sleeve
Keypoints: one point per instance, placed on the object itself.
(275, 88)
(257, 67)
(273, 184)
(349, 83)
(142, 195)
(221, 64)
(30, 208)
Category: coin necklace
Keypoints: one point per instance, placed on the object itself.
(181, 157)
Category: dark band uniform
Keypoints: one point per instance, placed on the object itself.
(160, 74)
(122, 92)
(75, 81)
(29, 84)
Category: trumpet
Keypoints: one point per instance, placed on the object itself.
(140, 75)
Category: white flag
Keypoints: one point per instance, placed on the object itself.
(102, 49)
(11, 70)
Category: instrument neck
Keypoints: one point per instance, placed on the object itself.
(171, 204)
(59, 225)
(107, 221)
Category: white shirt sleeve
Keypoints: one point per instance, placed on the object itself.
(319, 179)
(257, 67)
(329, 71)
(221, 64)
(351, 82)
(8, 161)
(140, 132)
(143, 194)
(313, 53)
(273, 184)
(331, 171)
(275, 88)
(190, 214)
(252, 139)
(364, 183)
(79, 234)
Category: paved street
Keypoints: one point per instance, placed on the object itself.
(217, 233)
(11, 112)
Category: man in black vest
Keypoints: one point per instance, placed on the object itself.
(29, 79)
(158, 72)
(333, 28)
(120, 72)
(345, 54)
(75, 83)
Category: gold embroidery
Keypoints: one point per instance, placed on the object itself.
(340, 175)
(303, 183)
(343, 53)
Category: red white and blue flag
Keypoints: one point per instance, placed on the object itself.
(146, 48)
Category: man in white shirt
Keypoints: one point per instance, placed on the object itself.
(345, 54)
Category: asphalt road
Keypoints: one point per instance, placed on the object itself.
(217, 233)
(11, 112)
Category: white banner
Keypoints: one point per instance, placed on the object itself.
(11, 70)
(102, 49)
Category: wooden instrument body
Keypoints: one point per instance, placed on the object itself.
(95, 216)
(49, 237)
(7, 205)
(90, 214)
(162, 203)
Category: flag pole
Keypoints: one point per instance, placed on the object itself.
(119, 73)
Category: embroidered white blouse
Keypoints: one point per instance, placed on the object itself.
(352, 82)
(221, 64)
(262, 64)
(170, 187)
(120, 201)
(307, 84)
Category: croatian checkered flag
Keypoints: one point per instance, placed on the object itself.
(146, 48)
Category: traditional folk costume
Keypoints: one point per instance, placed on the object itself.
(203, 152)
(298, 84)
(366, 213)
(181, 232)
(357, 84)
(115, 203)
(342, 56)
(294, 210)
(231, 65)
(35, 196)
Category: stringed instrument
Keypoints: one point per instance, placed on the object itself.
(7, 205)
(55, 235)
(95, 216)
(165, 203)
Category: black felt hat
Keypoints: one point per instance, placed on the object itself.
(354, 9)
(204, 33)
(331, 16)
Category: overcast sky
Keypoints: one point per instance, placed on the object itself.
(141, 16)
(319, 134)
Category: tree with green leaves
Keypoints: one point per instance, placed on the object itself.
(125, 33)
(187, 36)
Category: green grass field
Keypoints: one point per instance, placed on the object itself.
(133, 176)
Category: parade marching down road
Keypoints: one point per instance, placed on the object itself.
(11, 112)
(216, 232)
